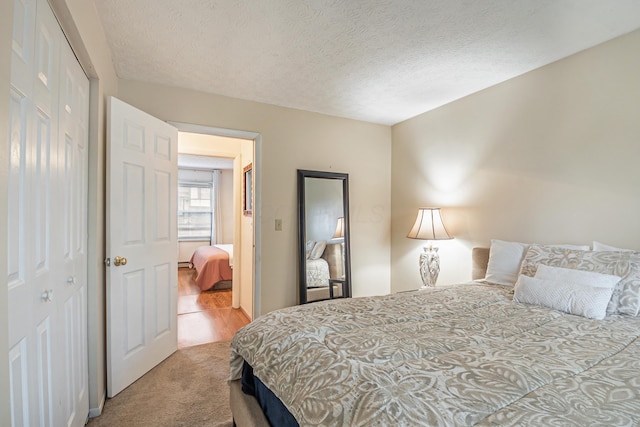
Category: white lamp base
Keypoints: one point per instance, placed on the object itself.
(429, 266)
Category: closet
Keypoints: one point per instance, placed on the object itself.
(47, 225)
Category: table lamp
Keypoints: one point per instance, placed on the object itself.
(429, 226)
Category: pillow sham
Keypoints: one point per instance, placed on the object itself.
(597, 246)
(318, 249)
(504, 261)
(564, 296)
(579, 277)
(626, 294)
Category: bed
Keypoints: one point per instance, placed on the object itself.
(466, 354)
(214, 266)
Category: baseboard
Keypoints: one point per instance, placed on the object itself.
(245, 313)
(95, 412)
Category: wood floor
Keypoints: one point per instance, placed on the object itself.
(204, 317)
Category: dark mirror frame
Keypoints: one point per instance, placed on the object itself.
(302, 238)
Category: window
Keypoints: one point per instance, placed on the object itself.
(195, 211)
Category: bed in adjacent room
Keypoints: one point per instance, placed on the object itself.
(560, 346)
(214, 266)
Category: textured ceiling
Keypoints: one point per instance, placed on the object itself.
(381, 61)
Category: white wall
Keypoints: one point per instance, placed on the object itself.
(226, 195)
(549, 157)
(293, 139)
(246, 248)
(188, 247)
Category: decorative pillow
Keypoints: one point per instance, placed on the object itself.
(569, 297)
(318, 249)
(597, 246)
(626, 294)
(504, 261)
(579, 277)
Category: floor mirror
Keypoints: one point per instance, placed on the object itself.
(323, 236)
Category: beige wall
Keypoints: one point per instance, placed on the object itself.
(291, 140)
(549, 157)
(6, 28)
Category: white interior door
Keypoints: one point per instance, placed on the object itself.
(142, 243)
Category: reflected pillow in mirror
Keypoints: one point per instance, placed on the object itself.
(318, 249)
(309, 247)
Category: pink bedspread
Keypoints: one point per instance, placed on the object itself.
(212, 265)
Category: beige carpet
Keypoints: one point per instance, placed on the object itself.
(187, 389)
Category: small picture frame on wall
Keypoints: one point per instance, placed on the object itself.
(247, 194)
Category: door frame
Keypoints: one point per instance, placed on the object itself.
(257, 193)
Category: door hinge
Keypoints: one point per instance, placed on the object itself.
(107, 262)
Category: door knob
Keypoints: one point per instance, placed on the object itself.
(119, 260)
(47, 295)
(71, 280)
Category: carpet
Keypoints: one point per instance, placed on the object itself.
(189, 388)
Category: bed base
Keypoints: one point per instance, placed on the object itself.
(245, 409)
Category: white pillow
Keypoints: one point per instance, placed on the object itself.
(597, 246)
(578, 277)
(318, 249)
(568, 297)
(504, 261)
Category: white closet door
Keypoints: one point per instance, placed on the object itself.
(73, 183)
(39, 341)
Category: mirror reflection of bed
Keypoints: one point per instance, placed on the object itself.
(324, 267)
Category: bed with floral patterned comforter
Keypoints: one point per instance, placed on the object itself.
(459, 355)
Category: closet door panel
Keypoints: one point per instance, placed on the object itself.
(47, 199)
(72, 159)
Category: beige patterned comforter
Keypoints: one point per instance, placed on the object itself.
(454, 356)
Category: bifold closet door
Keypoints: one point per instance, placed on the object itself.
(47, 223)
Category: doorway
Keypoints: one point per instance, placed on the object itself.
(215, 274)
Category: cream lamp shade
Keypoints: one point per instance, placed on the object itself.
(339, 228)
(429, 226)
